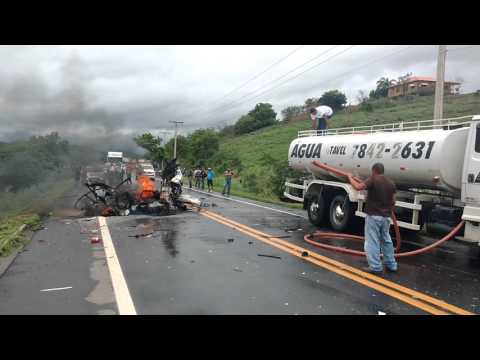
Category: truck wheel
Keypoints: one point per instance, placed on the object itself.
(341, 213)
(316, 209)
(123, 201)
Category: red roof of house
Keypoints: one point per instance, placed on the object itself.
(422, 78)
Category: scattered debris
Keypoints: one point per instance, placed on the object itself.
(95, 240)
(286, 304)
(42, 241)
(270, 256)
(57, 289)
(237, 269)
(250, 242)
(304, 273)
(381, 313)
(280, 237)
(230, 240)
(192, 261)
(213, 205)
(141, 235)
(305, 253)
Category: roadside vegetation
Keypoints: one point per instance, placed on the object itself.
(34, 175)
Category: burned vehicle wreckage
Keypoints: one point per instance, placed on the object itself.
(140, 198)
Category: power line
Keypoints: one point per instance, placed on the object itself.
(261, 73)
(253, 78)
(339, 76)
(280, 77)
(290, 79)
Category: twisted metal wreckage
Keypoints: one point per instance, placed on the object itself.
(124, 199)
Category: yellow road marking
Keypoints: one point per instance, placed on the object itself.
(120, 288)
(402, 293)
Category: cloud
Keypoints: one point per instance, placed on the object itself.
(87, 93)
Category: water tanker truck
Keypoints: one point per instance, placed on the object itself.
(435, 165)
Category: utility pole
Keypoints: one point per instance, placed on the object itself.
(439, 88)
(175, 143)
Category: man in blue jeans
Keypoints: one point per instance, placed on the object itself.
(228, 182)
(379, 206)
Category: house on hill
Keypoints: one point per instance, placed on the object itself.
(421, 85)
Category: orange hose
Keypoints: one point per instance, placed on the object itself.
(329, 235)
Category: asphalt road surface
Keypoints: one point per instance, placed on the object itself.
(234, 256)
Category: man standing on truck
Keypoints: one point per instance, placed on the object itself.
(320, 117)
(228, 182)
(379, 207)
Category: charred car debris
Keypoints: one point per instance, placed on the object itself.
(141, 197)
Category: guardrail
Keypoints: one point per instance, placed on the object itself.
(445, 124)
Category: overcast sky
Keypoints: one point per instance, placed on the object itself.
(95, 91)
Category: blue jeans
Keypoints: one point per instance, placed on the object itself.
(378, 240)
(226, 188)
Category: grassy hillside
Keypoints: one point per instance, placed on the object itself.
(272, 143)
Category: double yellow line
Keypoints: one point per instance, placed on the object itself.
(404, 294)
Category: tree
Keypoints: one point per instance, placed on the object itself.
(311, 102)
(183, 150)
(261, 116)
(153, 145)
(203, 145)
(403, 78)
(334, 98)
(382, 87)
(291, 111)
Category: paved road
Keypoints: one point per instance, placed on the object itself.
(200, 263)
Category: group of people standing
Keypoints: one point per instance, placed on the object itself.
(198, 177)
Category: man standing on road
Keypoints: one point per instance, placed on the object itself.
(228, 182)
(379, 207)
(203, 176)
(320, 117)
(196, 175)
(189, 174)
(210, 176)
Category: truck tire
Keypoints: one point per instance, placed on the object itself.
(341, 213)
(316, 210)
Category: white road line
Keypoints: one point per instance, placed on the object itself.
(55, 289)
(120, 288)
(248, 203)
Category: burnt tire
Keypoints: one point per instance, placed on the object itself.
(341, 213)
(316, 210)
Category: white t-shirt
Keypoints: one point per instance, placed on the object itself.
(322, 111)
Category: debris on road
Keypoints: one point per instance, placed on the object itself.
(58, 289)
(381, 313)
(141, 235)
(237, 269)
(270, 256)
(305, 253)
(250, 242)
(230, 240)
(95, 240)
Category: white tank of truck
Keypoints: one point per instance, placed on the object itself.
(427, 159)
(435, 165)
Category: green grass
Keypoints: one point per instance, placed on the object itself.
(27, 207)
(10, 235)
(275, 140)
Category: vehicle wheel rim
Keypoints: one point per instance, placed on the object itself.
(314, 209)
(338, 213)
